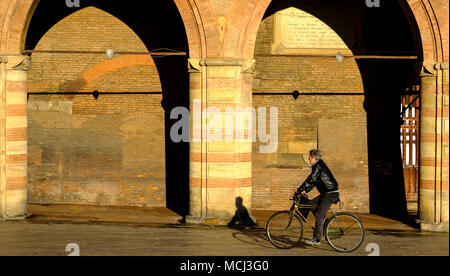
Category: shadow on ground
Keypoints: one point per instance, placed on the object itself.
(257, 236)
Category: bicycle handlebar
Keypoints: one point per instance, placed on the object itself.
(294, 197)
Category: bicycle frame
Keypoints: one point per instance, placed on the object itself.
(334, 228)
(296, 210)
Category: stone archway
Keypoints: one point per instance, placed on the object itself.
(208, 27)
(237, 33)
(221, 43)
(15, 67)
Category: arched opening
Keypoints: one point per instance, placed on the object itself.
(113, 148)
(232, 36)
(349, 109)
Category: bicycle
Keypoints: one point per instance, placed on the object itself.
(344, 232)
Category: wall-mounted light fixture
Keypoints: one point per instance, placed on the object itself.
(110, 53)
(340, 57)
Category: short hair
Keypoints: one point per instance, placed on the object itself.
(316, 154)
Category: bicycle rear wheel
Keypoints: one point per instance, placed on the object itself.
(344, 232)
(284, 230)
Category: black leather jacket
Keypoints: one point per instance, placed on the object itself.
(322, 178)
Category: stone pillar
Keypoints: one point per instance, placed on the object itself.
(220, 163)
(13, 138)
(434, 144)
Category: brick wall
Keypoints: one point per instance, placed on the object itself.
(336, 124)
(109, 151)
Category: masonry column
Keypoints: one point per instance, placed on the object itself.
(220, 148)
(13, 136)
(434, 149)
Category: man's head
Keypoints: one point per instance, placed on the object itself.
(314, 156)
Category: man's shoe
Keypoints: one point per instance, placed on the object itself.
(312, 242)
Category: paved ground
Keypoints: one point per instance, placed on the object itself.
(44, 238)
(163, 216)
(40, 236)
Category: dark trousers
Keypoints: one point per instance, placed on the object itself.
(324, 202)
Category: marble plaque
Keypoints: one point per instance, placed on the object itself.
(298, 32)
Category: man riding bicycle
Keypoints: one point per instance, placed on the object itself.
(321, 178)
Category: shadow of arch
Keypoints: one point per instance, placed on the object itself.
(103, 67)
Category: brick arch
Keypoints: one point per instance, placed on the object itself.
(18, 14)
(432, 31)
(198, 18)
(244, 19)
(429, 22)
(105, 66)
(201, 29)
(248, 13)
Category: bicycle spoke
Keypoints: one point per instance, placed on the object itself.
(284, 230)
(354, 222)
(289, 224)
(345, 233)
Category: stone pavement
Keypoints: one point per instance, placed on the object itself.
(50, 239)
(151, 216)
(49, 236)
(79, 213)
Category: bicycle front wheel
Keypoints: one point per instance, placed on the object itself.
(284, 230)
(344, 232)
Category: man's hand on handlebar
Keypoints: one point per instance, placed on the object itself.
(302, 193)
